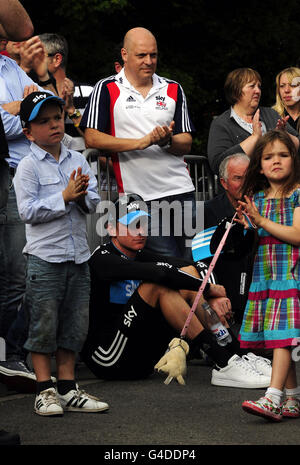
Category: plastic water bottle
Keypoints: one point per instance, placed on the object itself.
(217, 328)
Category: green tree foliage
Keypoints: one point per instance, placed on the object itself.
(200, 42)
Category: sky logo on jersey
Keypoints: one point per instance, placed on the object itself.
(129, 316)
(121, 291)
(201, 244)
(160, 103)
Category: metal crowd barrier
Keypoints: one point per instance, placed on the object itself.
(204, 180)
(92, 157)
(94, 240)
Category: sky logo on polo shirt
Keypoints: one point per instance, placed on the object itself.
(160, 103)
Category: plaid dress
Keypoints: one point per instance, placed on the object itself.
(272, 314)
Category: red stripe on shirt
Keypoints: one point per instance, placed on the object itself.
(114, 93)
(172, 91)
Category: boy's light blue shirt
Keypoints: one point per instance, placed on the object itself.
(12, 82)
(55, 232)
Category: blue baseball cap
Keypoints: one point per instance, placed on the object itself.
(32, 104)
(128, 208)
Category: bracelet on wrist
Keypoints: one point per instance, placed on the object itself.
(45, 83)
(51, 80)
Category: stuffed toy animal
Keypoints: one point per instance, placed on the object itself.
(174, 361)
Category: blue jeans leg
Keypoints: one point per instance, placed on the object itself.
(57, 295)
(13, 281)
(14, 242)
(4, 187)
(17, 335)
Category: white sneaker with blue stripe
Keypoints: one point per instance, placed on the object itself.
(77, 400)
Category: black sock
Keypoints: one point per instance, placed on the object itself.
(65, 385)
(234, 346)
(207, 342)
(43, 385)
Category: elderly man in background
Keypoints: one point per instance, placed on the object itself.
(236, 282)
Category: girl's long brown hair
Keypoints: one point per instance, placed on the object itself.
(255, 181)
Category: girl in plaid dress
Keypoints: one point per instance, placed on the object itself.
(272, 315)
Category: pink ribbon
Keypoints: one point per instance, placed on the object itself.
(202, 287)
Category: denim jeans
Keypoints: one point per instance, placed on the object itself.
(4, 186)
(13, 270)
(57, 298)
(17, 335)
(169, 230)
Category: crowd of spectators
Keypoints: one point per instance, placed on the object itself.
(139, 124)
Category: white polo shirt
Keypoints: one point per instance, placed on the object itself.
(117, 108)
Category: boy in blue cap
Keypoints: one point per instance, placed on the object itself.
(55, 189)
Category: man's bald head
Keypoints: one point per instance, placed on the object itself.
(137, 35)
(139, 54)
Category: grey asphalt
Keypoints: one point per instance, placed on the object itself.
(150, 413)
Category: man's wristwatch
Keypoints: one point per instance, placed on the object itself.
(76, 114)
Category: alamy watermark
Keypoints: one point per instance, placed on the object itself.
(295, 88)
(296, 351)
(165, 218)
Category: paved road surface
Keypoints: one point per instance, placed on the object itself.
(149, 413)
